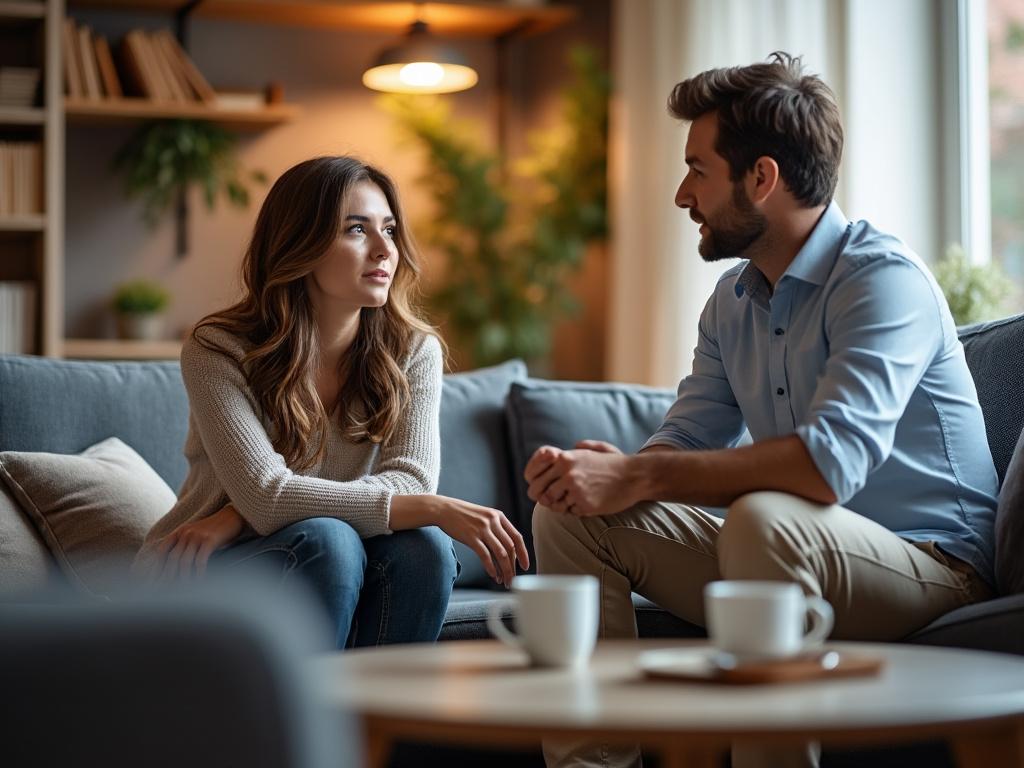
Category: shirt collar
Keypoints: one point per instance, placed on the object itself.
(813, 262)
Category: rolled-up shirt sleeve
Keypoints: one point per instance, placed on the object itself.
(884, 328)
(705, 414)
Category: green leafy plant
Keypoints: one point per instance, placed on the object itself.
(140, 297)
(975, 292)
(165, 157)
(508, 257)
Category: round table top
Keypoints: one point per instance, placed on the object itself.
(484, 683)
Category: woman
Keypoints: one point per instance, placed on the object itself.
(313, 438)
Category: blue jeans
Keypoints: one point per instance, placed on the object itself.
(385, 589)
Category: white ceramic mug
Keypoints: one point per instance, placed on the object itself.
(555, 617)
(764, 619)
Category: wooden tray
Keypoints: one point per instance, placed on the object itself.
(706, 665)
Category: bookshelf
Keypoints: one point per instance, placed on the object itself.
(22, 9)
(22, 116)
(128, 110)
(470, 19)
(31, 203)
(119, 349)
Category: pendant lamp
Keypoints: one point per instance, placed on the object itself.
(420, 64)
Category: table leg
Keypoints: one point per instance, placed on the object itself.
(377, 745)
(1002, 746)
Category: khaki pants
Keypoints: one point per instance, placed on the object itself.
(881, 587)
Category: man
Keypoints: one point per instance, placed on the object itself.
(869, 481)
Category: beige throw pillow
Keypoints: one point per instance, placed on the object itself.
(92, 509)
(25, 563)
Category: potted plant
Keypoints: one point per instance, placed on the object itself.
(139, 307)
(975, 292)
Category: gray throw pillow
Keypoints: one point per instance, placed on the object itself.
(1010, 526)
(92, 509)
(561, 413)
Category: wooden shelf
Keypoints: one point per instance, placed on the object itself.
(117, 349)
(122, 110)
(22, 115)
(26, 222)
(22, 10)
(456, 19)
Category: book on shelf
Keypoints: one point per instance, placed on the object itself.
(21, 178)
(17, 318)
(87, 61)
(69, 53)
(150, 65)
(240, 100)
(108, 72)
(18, 86)
(181, 62)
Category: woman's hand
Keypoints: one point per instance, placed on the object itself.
(186, 550)
(486, 531)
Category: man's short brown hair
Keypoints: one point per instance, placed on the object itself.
(775, 110)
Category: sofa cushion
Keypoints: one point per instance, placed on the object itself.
(1010, 526)
(475, 462)
(92, 509)
(994, 625)
(995, 355)
(561, 413)
(64, 406)
(25, 564)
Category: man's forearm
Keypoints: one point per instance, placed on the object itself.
(717, 478)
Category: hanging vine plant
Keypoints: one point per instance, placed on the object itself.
(164, 158)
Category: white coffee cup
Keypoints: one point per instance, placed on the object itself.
(555, 617)
(764, 619)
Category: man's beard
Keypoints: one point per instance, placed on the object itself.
(734, 231)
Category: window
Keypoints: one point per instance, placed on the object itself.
(1005, 43)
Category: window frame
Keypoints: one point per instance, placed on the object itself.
(967, 142)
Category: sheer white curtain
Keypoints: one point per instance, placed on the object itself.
(659, 282)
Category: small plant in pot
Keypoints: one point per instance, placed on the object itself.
(139, 306)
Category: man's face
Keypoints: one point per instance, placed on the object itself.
(729, 222)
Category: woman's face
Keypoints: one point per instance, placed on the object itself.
(358, 268)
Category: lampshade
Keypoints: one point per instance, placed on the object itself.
(420, 64)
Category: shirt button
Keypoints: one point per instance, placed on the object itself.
(780, 391)
(779, 331)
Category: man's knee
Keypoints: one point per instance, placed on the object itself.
(754, 537)
(563, 542)
(549, 525)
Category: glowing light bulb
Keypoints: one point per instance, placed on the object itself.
(421, 74)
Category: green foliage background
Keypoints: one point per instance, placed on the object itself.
(975, 292)
(508, 257)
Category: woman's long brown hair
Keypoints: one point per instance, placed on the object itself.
(299, 221)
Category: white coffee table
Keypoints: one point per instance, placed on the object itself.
(483, 693)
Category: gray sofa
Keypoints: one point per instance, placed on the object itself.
(491, 420)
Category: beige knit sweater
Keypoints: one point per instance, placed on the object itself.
(231, 457)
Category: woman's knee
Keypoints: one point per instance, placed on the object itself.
(428, 550)
(330, 544)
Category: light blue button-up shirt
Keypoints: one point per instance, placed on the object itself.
(856, 353)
